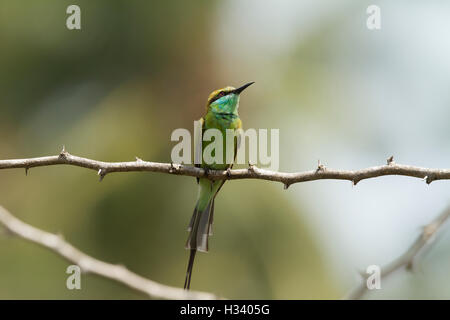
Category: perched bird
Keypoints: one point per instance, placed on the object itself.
(221, 114)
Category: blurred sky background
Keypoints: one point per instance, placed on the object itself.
(137, 70)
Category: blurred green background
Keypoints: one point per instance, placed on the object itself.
(137, 70)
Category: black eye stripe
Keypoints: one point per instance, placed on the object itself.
(219, 95)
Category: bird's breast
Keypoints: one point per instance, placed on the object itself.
(223, 120)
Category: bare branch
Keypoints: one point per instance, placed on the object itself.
(103, 168)
(153, 289)
(89, 264)
(406, 260)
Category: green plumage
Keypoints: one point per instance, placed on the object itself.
(221, 114)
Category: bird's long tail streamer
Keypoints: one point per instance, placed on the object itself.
(187, 281)
(200, 229)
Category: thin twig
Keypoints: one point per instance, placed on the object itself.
(321, 172)
(89, 264)
(406, 260)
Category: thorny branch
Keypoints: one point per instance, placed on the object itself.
(406, 260)
(252, 172)
(156, 290)
(91, 265)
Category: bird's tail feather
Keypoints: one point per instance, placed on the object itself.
(199, 230)
(211, 218)
(187, 281)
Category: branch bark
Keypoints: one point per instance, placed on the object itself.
(89, 264)
(154, 289)
(406, 260)
(321, 172)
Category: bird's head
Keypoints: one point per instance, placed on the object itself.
(225, 100)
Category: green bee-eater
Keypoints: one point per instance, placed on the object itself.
(221, 114)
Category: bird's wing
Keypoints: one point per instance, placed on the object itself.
(198, 144)
(237, 145)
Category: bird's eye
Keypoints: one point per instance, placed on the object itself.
(219, 95)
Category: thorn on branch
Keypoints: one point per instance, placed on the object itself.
(139, 160)
(286, 186)
(206, 172)
(390, 160)
(26, 171)
(63, 154)
(251, 168)
(173, 168)
(320, 167)
(228, 173)
(101, 173)
(428, 179)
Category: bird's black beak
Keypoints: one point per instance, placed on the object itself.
(245, 86)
